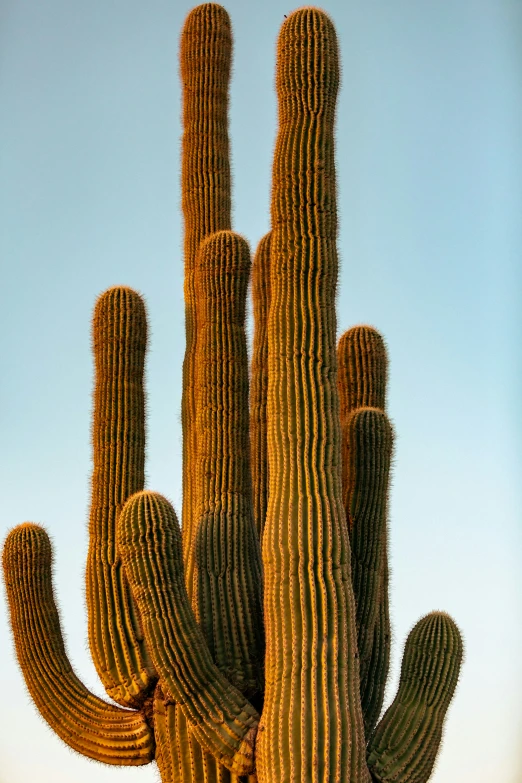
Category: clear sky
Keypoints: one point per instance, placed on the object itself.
(429, 163)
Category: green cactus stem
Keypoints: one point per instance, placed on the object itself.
(86, 723)
(312, 726)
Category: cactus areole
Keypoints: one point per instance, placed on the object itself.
(253, 643)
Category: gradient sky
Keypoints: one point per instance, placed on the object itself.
(429, 169)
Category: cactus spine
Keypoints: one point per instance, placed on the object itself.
(176, 623)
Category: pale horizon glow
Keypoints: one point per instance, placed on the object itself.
(429, 171)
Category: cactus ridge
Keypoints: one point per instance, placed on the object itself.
(86, 723)
(228, 558)
(259, 383)
(177, 618)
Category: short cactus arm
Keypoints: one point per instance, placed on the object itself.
(228, 558)
(221, 719)
(407, 739)
(205, 62)
(259, 382)
(87, 724)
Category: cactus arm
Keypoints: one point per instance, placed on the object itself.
(118, 437)
(311, 727)
(259, 382)
(87, 724)
(205, 60)
(228, 559)
(367, 446)
(221, 719)
(407, 739)
(369, 437)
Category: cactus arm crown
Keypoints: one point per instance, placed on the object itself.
(219, 716)
(312, 721)
(228, 559)
(259, 382)
(205, 59)
(118, 436)
(405, 744)
(86, 723)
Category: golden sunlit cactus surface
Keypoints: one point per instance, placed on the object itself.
(252, 644)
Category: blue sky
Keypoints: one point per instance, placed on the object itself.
(429, 167)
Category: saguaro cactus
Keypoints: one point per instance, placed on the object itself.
(284, 505)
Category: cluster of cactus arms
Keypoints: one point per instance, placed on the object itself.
(254, 642)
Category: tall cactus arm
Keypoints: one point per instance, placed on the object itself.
(205, 59)
(312, 727)
(407, 739)
(221, 719)
(368, 434)
(367, 450)
(259, 382)
(87, 724)
(228, 558)
(118, 436)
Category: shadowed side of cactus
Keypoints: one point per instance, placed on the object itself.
(259, 382)
(311, 726)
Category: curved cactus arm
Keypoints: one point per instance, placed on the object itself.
(221, 719)
(87, 724)
(368, 437)
(312, 720)
(228, 558)
(367, 451)
(205, 61)
(259, 382)
(407, 739)
(119, 336)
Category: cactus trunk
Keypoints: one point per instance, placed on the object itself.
(312, 728)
